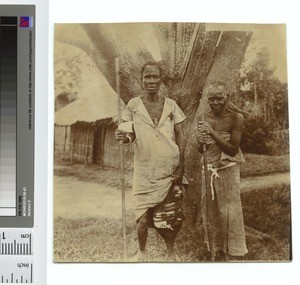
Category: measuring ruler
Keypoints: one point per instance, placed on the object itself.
(16, 242)
(17, 85)
(16, 261)
(16, 271)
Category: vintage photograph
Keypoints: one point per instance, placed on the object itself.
(171, 143)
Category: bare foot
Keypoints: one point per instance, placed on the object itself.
(226, 257)
(172, 258)
(139, 257)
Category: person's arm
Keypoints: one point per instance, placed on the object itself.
(178, 173)
(127, 138)
(230, 147)
(127, 116)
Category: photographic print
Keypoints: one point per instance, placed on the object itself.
(171, 143)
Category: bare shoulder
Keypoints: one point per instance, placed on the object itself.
(238, 117)
(238, 120)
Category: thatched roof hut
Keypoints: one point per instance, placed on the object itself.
(84, 129)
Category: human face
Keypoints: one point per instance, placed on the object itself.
(151, 79)
(217, 100)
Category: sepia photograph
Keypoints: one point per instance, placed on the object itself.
(171, 143)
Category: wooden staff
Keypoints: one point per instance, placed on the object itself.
(122, 179)
(208, 195)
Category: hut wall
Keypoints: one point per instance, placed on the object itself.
(81, 143)
(99, 142)
(111, 150)
(88, 143)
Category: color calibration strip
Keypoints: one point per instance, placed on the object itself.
(17, 86)
(8, 115)
(17, 90)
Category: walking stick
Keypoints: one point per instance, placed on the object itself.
(208, 196)
(122, 179)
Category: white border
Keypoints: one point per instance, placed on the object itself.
(198, 11)
(155, 10)
(41, 110)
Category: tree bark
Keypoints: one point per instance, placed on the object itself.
(191, 58)
(226, 63)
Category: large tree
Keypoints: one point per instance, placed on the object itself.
(190, 58)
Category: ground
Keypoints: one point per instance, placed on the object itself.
(74, 198)
(88, 225)
(77, 199)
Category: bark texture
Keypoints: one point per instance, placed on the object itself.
(190, 58)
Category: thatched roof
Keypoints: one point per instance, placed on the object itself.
(91, 108)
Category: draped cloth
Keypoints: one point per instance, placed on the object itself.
(226, 215)
(156, 154)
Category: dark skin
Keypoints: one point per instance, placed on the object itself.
(221, 119)
(151, 80)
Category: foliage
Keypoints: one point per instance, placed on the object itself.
(265, 97)
(261, 138)
(255, 137)
(261, 93)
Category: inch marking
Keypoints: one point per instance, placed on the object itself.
(16, 269)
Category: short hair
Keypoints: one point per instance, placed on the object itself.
(151, 63)
(217, 84)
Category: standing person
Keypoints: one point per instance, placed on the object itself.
(221, 131)
(158, 155)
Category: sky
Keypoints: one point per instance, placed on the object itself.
(269, 36)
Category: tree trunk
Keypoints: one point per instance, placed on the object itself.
(225, 66)
(191, 57)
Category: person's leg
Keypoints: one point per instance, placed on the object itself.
(142, 233)
(226, 257)
(169, 237)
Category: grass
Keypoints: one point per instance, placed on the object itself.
(94, 173)
(86, 240)
(269, 211)
(99, 239)
(257, 164)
